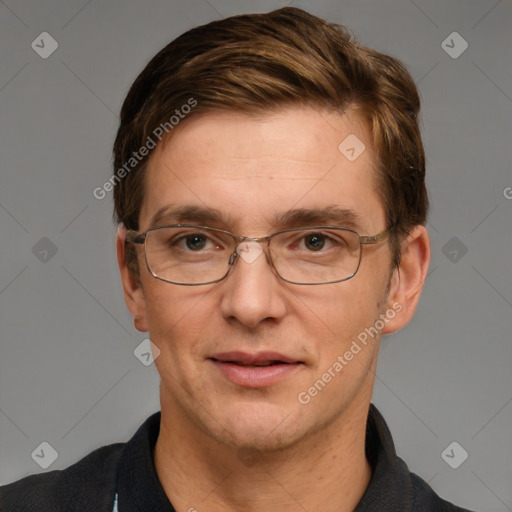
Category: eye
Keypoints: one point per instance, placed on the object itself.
(315, 241)
(195, 242)
(321, 242)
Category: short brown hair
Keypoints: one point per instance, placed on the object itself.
(259, 63)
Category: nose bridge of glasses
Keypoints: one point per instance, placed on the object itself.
(250, 249)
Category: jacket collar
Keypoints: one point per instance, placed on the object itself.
(390, 488)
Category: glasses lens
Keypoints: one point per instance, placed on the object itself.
(315, 256)
(188, 255)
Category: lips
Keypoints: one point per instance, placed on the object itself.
(255, 370)
(258, 359)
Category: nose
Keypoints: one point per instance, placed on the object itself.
(252, 291)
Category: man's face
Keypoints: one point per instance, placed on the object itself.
(251, 172)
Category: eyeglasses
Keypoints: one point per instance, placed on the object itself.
(190, 255)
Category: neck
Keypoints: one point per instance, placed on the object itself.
(326, 471)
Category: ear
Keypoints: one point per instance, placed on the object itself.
(133, 292)
(408, 278)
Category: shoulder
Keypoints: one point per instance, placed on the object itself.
(91, 480)
(426, 500)
(393, 485)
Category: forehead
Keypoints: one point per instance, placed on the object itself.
(251, 171)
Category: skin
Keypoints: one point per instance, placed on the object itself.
(224, 447)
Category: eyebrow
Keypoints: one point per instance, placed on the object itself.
(188, 214)
(330, 215)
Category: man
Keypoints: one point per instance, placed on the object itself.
(269, 184)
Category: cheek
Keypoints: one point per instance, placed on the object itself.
(344, 308)
(350, 319)
(176, 316)
(346, 316)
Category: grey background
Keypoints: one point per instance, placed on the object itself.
(68, 374)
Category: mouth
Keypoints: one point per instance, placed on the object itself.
(255, 370)
(257, 359)
(263, 363)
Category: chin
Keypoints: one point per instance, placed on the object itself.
(258, 426)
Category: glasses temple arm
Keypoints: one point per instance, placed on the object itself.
(375, 238)
(134, 238)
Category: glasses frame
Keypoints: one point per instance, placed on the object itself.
(140, 239)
